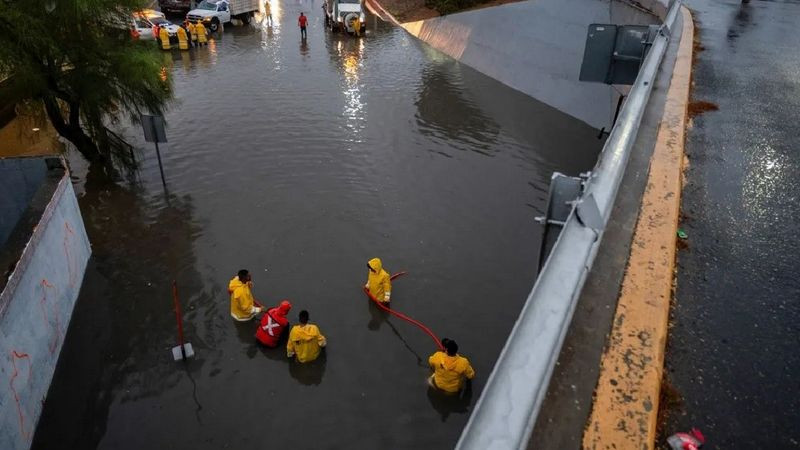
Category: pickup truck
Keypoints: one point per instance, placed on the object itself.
(341, 14)
(213, 13)
(144, 21)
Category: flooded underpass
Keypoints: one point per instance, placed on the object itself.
(300, 161)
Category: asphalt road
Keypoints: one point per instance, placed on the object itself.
(732, 353)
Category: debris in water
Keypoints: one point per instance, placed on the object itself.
(686, 441)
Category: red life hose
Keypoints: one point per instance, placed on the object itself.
(403, 316)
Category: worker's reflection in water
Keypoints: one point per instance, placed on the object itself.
(446, 403)
(304, 48)
(377, 317)
(310, 373)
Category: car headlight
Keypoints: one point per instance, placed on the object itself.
(206, 19)
(339, 18)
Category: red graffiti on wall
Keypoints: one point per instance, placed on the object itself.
(71, 263)
(55, 336)
(26, 433)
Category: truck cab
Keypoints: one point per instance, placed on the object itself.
(212, 13)
(342, 14)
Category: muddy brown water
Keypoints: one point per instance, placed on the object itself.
(300, 161)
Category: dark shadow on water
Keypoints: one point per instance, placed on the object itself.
(122, 327)
(741, 21)
(377, 316)
(310, 373)
(446, 404)
(246, 331)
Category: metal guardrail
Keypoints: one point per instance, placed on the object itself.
(506, 412)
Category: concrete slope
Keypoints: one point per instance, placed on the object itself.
(535, 47)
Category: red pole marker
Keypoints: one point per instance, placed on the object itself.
(182, 351)
(403, 316)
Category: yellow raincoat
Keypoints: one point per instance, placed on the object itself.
(183, 39)
(163, 36)
(378, 282)
(449, 372)
(243, 305)
(305, 342)
(201, 32)
(192, 31)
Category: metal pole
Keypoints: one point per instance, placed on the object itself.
(178, 317)
(160, 167)
(506, 412)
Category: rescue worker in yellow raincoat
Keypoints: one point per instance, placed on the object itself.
(183, 39)
(243, 305)
(305, 340)
(163, 36)
(379, 283)
(450, 370)
(202, 37)
(192, 31)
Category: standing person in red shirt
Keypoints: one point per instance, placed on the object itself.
(302, 21)
(273, 323)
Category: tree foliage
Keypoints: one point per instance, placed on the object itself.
(78, 60)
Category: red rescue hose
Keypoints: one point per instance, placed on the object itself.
(403, 316)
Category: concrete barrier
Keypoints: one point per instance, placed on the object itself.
(36, 305)
(535, 47)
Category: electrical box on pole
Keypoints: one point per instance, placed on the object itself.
(614, 53)
(154, 131)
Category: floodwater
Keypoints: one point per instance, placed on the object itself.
(300, 161)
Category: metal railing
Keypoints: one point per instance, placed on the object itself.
(506, 412)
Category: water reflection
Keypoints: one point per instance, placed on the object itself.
(741, 21)
(443, 112)
(310, 373)
(346, 53)
(304, 48)
(446, 404)
(766, 173)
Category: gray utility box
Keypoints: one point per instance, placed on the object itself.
(614, 53)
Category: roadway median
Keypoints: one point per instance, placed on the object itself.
(626, 400)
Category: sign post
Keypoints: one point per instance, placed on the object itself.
(153, 127)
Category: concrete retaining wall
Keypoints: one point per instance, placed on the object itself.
(536, 47)
(35, 309)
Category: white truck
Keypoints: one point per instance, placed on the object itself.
(342, 14)
(213, 13)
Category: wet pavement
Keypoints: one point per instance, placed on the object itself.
(732, 353)
(300, 161)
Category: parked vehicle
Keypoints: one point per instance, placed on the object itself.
(342, 14)
(213, 13)
(145, 20)
(175, 5)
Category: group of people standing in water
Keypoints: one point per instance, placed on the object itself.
(451, 371)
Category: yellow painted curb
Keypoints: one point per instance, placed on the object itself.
(626, 399)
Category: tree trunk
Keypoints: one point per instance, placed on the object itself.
(72, 130)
